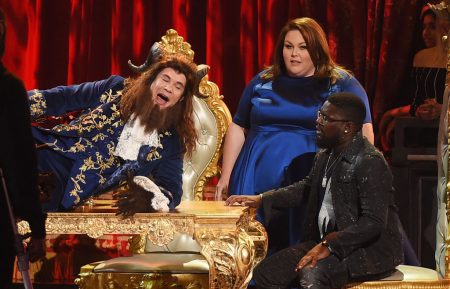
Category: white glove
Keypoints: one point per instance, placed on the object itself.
(159, 202)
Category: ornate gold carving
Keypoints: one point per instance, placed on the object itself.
(230, 239)
(260, 239)
(231, 252)
(210, 94)
(137, 244)
(441, 284)
(159, 226)
(160, 232)
(161, 281)
(89, 280)
(173, 43)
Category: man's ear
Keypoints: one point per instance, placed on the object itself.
(350, 128)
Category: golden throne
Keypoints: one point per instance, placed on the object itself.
(202, 245)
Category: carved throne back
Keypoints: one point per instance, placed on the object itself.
(211, 118)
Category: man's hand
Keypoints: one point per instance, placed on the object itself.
(134, 200)
(238, 200)
(36, 249)
(142, 196)
(315, 254)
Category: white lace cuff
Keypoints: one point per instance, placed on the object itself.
(159, 202)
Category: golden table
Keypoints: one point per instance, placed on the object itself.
(231, 240)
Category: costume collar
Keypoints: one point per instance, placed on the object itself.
(133, 137)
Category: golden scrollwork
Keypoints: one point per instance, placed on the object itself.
(444, 284)
(210, 92)
(260, 240)
(160, 227)
(173, 43)
(230, 256)
(137, 244)
(231, 251)
(161, 232)
(140, 281)
(229, 238)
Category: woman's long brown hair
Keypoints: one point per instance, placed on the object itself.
(318, 49)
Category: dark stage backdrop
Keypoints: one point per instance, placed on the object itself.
(58, 42)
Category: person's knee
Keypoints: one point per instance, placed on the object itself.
(259, 277)
(308, 277)
(324, 275)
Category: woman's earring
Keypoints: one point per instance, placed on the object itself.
(346, 131)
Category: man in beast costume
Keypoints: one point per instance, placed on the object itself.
(129, 129)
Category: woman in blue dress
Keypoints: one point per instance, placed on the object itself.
(272, 139)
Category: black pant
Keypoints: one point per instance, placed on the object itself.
(7, 252)
(278, 271)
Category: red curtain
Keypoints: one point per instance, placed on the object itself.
(58, 42)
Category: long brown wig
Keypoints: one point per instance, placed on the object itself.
(316, 44)
(137, 98)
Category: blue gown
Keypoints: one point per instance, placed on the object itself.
(279, 148)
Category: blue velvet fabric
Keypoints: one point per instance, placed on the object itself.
(80, 153)
(280, 144)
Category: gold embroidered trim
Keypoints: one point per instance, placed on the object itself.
(38, 105)
(98, 164)
(95, 119)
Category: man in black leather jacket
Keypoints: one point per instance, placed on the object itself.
(351, 226)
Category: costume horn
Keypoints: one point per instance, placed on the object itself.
(202, 70)
(155, 53)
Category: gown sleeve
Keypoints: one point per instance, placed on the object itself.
(242, 116)
(350, 84)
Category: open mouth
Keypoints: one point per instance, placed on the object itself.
(161, 99)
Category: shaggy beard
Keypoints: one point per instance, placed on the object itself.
(160, 119)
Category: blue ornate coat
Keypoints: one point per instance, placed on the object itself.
(81, 152)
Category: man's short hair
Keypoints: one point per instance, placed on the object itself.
(351, 106)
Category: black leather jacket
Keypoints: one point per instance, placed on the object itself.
(367, 236)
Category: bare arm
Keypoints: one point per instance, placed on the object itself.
(367, 131)
(234, 140)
